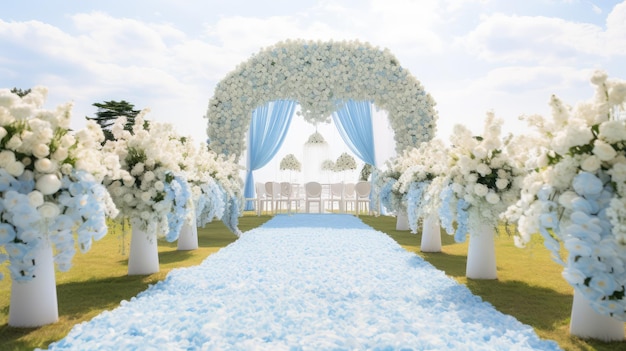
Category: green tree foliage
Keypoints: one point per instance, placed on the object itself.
(20, 92)
(109, 111)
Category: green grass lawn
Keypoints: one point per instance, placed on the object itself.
(529, 285)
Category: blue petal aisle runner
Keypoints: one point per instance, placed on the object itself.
(306, 282)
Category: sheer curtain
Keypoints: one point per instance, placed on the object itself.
(268, 128)
(354, 122)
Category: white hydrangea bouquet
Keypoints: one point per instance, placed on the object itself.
(483, 180)
(576, 195)
(290, 163)
(422, 181)
(316, 138)
(207, 197)
(220, 178)
(345, 162)
(151, 191)
(50, 183)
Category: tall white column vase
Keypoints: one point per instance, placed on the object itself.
(587, 323)
(34, 302)
(431, 234)
(402, 220)
(144, 253)
(481, 254)
(188, 236)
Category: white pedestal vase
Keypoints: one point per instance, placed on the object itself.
(431, 234)
(188, 237)
(402, 221)
(481, 254)
(34, 302)
(144, 253)
(587, 323)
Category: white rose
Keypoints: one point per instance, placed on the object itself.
(148, 176)
(604, 151)
(40, 150)
(502, 183)
(146, 196)
(6, 157)
(15, 168)
(590, 164)
(49, 210)
(159, 186)
(35, 198)
(48, 184)
(3, 132)
(13, 143)
(492, 198)
(566, 198)
(128, 198)
(480, 189)
(483, 169)
(60, 154)
(45, 165)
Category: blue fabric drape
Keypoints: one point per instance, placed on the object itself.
(354, 122)
(268, 128)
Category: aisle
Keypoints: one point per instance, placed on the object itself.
(306, 282)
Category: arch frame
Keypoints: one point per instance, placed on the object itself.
(320, 76)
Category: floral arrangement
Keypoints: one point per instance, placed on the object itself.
(345, 162)
(328, 165)
(49, 183)
(415, 185)
(316, 138)
(207, 197)
(483, 180)
(152, 191)
(291, 163)
(319, 75)
(575, 195)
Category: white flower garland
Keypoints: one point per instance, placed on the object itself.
(320, 76)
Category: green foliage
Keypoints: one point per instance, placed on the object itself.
(20, 92)
(366, 171)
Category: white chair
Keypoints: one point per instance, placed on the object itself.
(349, 196)
(289, 195)
(336, 195)
(272, 194)
(362, 190)
(261, 199)
(313, 194)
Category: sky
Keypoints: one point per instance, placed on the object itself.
(472, 56)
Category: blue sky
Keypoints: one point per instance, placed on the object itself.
(471, 55)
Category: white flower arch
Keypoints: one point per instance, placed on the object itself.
(320, 76)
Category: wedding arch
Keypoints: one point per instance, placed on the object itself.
(322, 77)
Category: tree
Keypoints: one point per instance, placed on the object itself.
(109, 111)
(20, 92)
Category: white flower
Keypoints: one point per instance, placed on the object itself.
(492, 198)
(49, 210)
(604, 151)
(480, 190)
(48, 184)
(502, 183)
(40, 150)
(15, 168)
(591, 163)
(6, 157)
(35, 198)
(45, 165)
